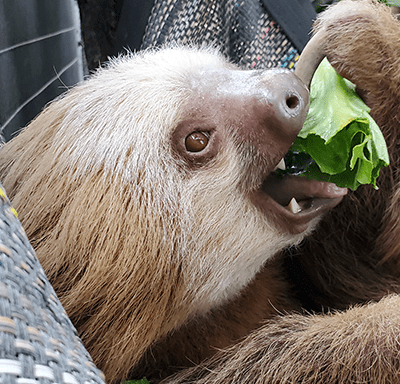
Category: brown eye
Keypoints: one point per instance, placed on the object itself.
(197, 141)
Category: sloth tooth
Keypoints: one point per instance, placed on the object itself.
(294, 206)
(281, 165)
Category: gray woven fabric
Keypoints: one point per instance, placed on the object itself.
(241, 28)
(38, 343)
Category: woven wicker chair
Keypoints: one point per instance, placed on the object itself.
(38, 343)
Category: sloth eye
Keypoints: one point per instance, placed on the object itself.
(197, 141)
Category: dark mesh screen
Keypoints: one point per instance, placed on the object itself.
(242, 29)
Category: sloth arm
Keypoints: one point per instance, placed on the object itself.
(359, 345)
(353, 256)
(362, 43)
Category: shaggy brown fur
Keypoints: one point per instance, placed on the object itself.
(360, 260)
(352, 258)
(162, 259)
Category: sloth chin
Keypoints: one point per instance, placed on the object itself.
(294, 201)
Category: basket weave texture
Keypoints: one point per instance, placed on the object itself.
(38, 343)
(242, 29)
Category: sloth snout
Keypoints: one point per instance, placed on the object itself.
(288, 97)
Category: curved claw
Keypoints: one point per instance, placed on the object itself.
(311, 57)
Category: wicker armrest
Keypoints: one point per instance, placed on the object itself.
(38, 343)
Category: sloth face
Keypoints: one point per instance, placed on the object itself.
(261, 113)
(170, 157)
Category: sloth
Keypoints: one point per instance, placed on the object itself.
(144, 191)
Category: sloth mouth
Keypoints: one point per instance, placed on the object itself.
(295, 201)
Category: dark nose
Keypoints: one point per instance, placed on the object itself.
(288, 97)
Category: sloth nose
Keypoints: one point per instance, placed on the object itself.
(288, 97)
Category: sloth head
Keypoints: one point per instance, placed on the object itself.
(147, 187)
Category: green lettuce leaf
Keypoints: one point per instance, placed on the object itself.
(341, 137)
(395, 3)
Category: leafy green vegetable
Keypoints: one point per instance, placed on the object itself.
(345, 143)
(142, 381)
(395, 3)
